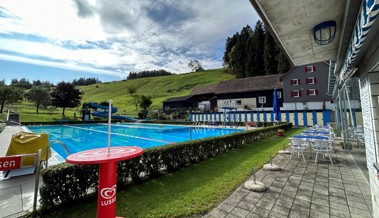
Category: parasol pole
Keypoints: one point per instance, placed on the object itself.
(109, 125)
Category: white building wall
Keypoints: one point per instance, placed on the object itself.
(370, 112)
(245, 102)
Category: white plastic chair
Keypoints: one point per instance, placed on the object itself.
(323, 147)
(299, 146)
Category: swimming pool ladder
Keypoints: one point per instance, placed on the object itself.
(63, 145)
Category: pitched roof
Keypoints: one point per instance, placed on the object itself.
(180, 98)
(204, 89)
(257, 83)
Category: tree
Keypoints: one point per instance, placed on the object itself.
(195, 66)
(269, 54)
(145, 102)
(8, 95)
(257, 66)
(136, 100)
(131, 90)
(65, 95)
(39, 95)
(22, 84)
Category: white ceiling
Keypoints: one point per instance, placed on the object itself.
(292, 22)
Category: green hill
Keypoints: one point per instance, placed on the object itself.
(159, 88)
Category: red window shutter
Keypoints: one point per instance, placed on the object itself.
(308, 92)
(306, 70)
(314, 68)
(315, 80)
(316, 92)
(306, 81)
(291, 82)
(298, 81)
(291, 93)
(299, 93)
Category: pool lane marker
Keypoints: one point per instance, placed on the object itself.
(119, 134)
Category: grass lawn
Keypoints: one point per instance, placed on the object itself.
(193, 190)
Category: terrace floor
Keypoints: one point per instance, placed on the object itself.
(303, 189)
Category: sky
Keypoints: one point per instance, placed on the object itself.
(62, 40)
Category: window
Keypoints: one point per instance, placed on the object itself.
(238, 102)
(296, 93)
(312, 92)
(295, 82)
(262, 99)
(279, 94)
(311, 80)
(310, 69)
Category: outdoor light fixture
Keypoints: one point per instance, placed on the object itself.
(325, 32)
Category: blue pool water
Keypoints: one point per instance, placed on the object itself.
(88, 136)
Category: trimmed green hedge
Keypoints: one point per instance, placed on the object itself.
(64, 183)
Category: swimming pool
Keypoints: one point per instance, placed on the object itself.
(88, 136)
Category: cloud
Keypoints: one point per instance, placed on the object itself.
(85, 9)
(125, 36)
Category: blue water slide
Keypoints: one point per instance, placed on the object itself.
(104, 113)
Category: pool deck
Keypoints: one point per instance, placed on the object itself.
(301, 189)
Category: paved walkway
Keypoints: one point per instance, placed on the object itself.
(303, 189)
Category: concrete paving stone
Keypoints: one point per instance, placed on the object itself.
(251, 200)
(318, 214)
(275, 215)
(260, 211)
(233, 200)
(288, 193)
(287, 187)
(283, 204)
(253, 215)
(321, 185)
(226, 207)
(246, 205)
(239, 212)
(270, 196)
(275, 189)
(356, 198)
(286, 198)
(362, 206)
(278, 184)
(320, 201)
(321, 208)
(218, 213)
(242, 191)
(302, 202)
(319, 195)
(281, 210)
(338, 180)
(296, 214)
(265, 205)
(338, 206)
(304, 211)
(338, 200)
(339, 213)
(230, 215)
(352, 190)
(308, 189)
(256, 195)
(321, 191)
(336, 185)
(302, 192)
(338, 194)
(360, 213)
(322, 179)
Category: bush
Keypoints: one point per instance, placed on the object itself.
(64, 183)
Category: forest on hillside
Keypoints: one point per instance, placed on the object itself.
(251, 53)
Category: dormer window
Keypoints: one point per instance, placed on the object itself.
(295, 82)
(310, 69)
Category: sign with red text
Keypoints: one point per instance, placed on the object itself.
(10, 163)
